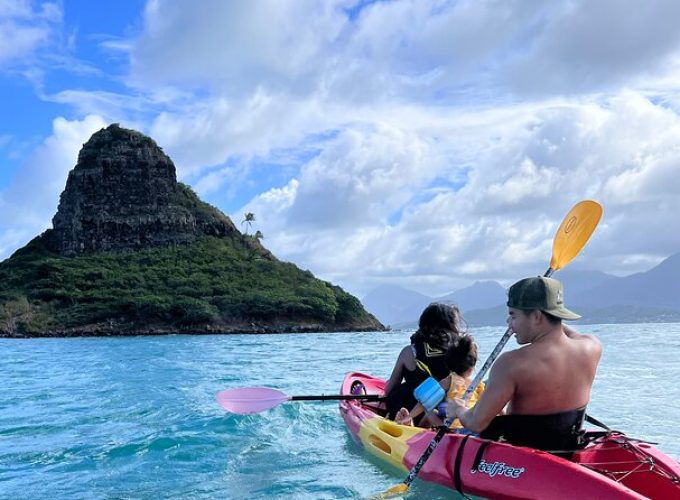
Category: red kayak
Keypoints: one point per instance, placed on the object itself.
(611, 466)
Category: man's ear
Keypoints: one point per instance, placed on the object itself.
(536, 315)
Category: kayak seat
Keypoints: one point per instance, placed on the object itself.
(558, 433)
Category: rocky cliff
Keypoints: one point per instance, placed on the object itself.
(123, 195)
(132, 251)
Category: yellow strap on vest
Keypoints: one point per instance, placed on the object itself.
(423, 367)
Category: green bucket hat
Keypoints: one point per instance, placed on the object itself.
(540, 293)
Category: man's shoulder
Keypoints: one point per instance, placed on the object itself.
(594, 347)
(509, 360)
(586, 339)
(573, 334)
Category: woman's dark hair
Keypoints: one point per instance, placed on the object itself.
(461, 354)
(438, 325)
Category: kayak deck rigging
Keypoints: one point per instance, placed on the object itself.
(642, 461)
(610, 465)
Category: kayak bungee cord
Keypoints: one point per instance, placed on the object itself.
(644, 462)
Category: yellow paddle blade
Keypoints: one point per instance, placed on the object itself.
(574, 232)
(397, 491)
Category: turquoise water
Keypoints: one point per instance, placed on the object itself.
(136, 417)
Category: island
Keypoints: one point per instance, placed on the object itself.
(132, 251)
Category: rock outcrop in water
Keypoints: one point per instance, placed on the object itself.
(132, 251)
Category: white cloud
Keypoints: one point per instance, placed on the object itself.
(207, 133)
(24, 29)
(361, 178)
(499, 224)
(116, 107)
(420, 50)
(271, 72)
(234, 46)
(28, 204)
(590, 46)
(429, 143)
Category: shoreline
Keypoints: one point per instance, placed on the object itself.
(241, 329)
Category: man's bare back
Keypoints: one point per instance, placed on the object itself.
(552, 373)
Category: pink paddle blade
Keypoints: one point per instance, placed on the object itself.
(246, 400)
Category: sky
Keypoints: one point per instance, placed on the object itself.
(425, 144)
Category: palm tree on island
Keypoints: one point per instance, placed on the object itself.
(249, 219)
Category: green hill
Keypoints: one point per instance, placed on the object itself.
(213, 285)
(158, 260)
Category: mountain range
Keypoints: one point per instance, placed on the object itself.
(645, 297)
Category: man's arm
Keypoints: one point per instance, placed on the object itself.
(499, 392)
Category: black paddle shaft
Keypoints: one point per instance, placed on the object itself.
(468, 392)
(339, 397)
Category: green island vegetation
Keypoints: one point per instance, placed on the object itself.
(132, 251)
(212, 285)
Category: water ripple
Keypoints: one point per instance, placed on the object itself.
(136, 418)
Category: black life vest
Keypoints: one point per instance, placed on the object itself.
(430, 362)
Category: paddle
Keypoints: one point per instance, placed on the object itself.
(246, 400)
(570, 238)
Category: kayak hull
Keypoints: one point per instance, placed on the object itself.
(501, 471)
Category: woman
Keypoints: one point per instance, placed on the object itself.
(438, 326)
(461, 359)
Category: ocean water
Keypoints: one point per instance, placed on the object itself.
(136, 417)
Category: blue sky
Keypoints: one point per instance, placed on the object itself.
(421, 144)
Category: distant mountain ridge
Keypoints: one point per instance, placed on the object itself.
(479, 295)
(658, 288)
(650, 296)
(396, 305)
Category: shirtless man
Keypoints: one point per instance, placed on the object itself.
(543, 386)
